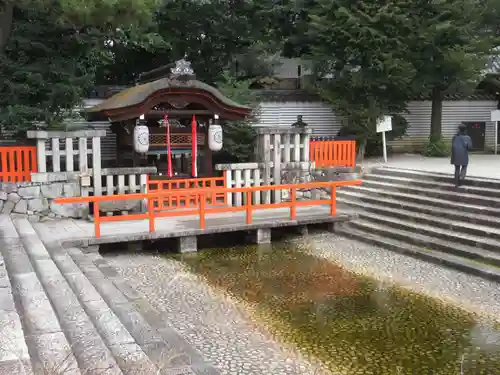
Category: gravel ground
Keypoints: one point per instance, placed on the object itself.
(469, 292)
(214, 323)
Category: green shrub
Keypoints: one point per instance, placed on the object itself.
(437, 148)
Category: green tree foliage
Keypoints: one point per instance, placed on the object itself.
(451, 44)
(360, 49)
(238, 135)
(51, 52)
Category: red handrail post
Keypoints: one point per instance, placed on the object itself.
(249, 207)
(202, 210)
(293, 203)
(151, 214)
(333, 200)
(97, 220)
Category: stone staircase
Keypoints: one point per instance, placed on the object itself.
(424, 215)
(64, 313)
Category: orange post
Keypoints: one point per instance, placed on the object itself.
(151, 215)
(202, 210)
(249, 207)
(293, 203)
(333, 200)
(97, 220)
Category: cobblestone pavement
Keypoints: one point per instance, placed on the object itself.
(466, 291)
(212, 322)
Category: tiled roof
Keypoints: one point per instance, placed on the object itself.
(138, 94)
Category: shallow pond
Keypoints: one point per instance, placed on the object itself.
(353, 324)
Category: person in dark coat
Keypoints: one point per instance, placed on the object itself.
(460, 146)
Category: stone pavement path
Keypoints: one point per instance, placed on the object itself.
(66, 312)
(62, 312)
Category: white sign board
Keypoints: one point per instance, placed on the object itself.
(495, 115)
(384, 124)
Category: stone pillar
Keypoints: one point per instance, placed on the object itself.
(262, 236)
(187, 244)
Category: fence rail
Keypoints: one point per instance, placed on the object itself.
(17, 163)
(333, 153)
(188, 198)
(202, 209)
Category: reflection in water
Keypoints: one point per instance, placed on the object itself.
(355, 325)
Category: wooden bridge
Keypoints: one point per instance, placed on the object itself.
(191, 210)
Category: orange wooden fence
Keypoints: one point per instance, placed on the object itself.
(187, 198)
(202, 209)
(17, 163)
(333, 153)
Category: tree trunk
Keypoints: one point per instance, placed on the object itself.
(6, 19)
(361, 151)
(436, 114)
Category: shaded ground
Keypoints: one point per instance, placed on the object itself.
(480, 165)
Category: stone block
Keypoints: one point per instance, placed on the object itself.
(8, 187)
(120, 205)
(12, 344)
(29, 192)
(72, 210)
(52, 191)
(8, 206)
(38, 205)
(6, 300)
(3, 196)
(54, 354)
(21, 207)
(303, 230)
(187, 244)
(1, 206)
(71, 189)
(13, 197)
(39, 317)
(262, 236)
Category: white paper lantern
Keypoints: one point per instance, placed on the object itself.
(141, 139)
(215, 137)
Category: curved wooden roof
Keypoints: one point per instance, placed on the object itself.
(137, 100)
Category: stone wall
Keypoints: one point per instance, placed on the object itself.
(36, 200)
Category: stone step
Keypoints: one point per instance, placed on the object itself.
(479, 242)
(453, 196)
(437, 177)
(434, 219)
(376, 192)
(456, 211)
(431, 184)
(47, 345)
(169, 351)
(87, 347)
(14, 354)
(367, 234)
(413, 235)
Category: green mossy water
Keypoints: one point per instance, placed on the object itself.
(355, 325)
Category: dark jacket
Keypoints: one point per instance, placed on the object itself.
(460, 146)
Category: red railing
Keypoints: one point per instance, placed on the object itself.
(333, 153)
(17, 163)
(202, 209)
(186, 198)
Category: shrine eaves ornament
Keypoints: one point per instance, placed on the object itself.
(182, 68)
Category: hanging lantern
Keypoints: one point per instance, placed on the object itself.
(141, 138)
(215, 136)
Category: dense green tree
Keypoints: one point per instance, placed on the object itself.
(361, 55)
(50, 52)
(451, 44)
